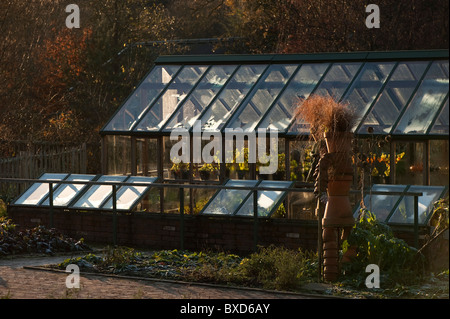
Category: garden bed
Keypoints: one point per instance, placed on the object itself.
(271, 268)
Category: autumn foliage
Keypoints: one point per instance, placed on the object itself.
(62, 85)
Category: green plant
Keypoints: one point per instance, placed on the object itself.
(280, 212)
(280, 268)
(3, 211)
(398, 262)
(119, 257)
(243, 154)
(208, 168)
(179, 167)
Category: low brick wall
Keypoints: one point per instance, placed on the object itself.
(164, 231)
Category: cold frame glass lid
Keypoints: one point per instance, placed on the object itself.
(136, 104)
(226, 201)
(37, 191)
(300, 87)
(381, 204)
(404, 214)
(201, 97)
(172, 97)
(426, 102)
(394, 97)
(267, 200)
(66, 192)
(97, 194)
(127, 196)
(231, 96)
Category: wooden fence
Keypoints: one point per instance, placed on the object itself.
(29, 164)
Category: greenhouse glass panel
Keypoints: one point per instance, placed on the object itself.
(394, 97)
(381, 205)
(127, 196)
(441, 125)
(133, 108)
(66, 192)
(366, 86)
(267, 200)
(265, 92)
(36, 192)
(97, 194)
(200, 97)
(227, 201)
(300, 87)
(230, 98)
(404, 214)
(162, 109)
(426, 102)
(337, 79)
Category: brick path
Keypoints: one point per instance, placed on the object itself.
(17, 282)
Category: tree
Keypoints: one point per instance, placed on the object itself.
(305, 26)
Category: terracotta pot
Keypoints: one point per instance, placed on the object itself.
(340, 185)
(349, 254)
(330, 273)
(330, 245)
(331, 256)
(338, 212)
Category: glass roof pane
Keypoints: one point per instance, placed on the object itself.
(200, 97)
(264, 94)
(229, 99)
(337, 79)
(267, 200)
(441, 125)
(228, 200)
(177, 91)
(129, 195)
(367, 85)
(394, 97)
(404, 214)
(37, 191)
(97, 194)
(426, 102)
(300, 87)
(141, 98)
(66, 192)
(381, 205)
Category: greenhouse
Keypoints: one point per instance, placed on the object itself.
(400, 99)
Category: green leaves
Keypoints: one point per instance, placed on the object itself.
(376, 244)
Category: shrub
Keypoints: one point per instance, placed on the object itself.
(3, 212)
(398, 262)
(280, 268)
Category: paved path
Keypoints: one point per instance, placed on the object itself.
(19, 282)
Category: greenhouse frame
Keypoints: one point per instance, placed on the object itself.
(401, 100)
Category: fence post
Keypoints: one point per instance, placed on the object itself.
(181, 218)
(255, 220)
(50, 200)
(416, 221)
(114, 205)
